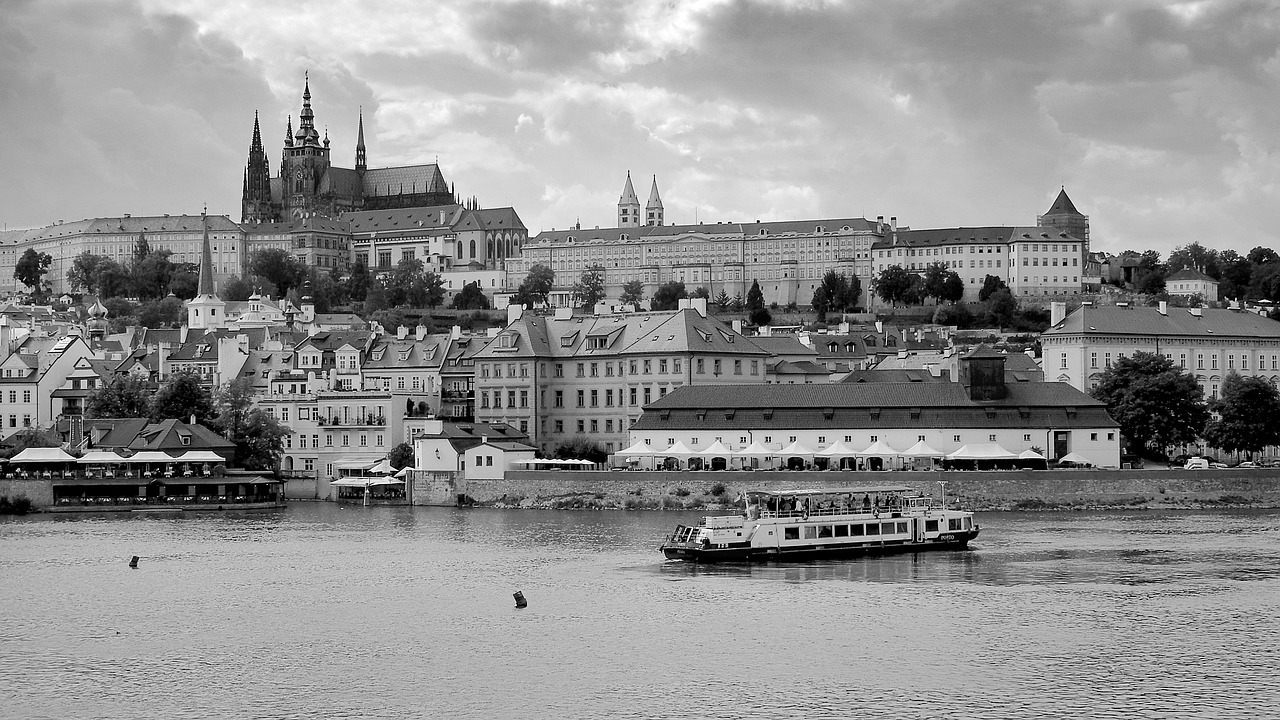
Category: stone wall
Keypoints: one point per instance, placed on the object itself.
(1044, 489)
(39, 492)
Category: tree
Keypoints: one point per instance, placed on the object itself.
(1264, 284)
(668, 296)
(31, 268)
(755, 297)
(279, 267)
(952, 289)
(701, 292)
(1156, 403)
(118, 307)
(150, 276)
(164, 313)
(262, 442)
(892, 284)
(357, 285)
(632, 292)
(1246, 411)
(536, 286)
(853, 295)
(738, 304)
(375, 297)
(401, 456)
(1263, 255)
(723, 301)
(391, 318)
(180, 397)
(1002, 307)
(943, 284)
(1236, 273)
(1196, 256)
(184, 284)
(761, 316)
(126, 396)
(141, 248)
(1148, 282)
(991, 284)
(87, 270)
(471, 298)
(580, 448)
(589, 289)
(830, 295)
(235, 289)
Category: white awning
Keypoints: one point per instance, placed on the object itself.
(982, 451)
(42, 455)
(922, 449)
(383, 467)
(795, 449)
(837, 450)
(717, 449)
(1031, 455)
(755, 449)
(149, 456)
(879, 449)
(99, 457)
(1075, 458)
(365, 481)
(200, 456)
(354, 464)
(640, 448)
(677, 450)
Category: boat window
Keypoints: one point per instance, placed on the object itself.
(953, 523)
(791, 533)
(931, 526)
(810, 532)
(902, 527)
(855, 530)
(968, 523)
(842, 531)
(873, 529)
(825, 531)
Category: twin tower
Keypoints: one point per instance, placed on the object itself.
(629, 206)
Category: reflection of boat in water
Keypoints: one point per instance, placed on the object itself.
(841, 522)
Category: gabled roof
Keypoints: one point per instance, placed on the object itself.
(404, 179)
(1062, 205)
(1190, 274)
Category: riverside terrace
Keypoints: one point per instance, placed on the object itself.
(101, 480)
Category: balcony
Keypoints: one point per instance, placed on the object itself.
(351, 422)
(457, 395)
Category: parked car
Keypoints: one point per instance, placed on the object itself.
(1196, 463)
(1247, 464)
(1218, 466)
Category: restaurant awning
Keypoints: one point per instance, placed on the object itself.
(879, 448)
(678, 450)
(755, 449)
(149, 456)
(640, 448)
(43, 455)
(922, 449)
(354, 464)
(717, 449)
(795, 449)
(382, 468)
(982, 451)
(1076, 458)
(356, 481)
(100, 457)
(200, 456)
(837, 450)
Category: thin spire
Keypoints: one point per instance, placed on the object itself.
(361, 159)
(288, 132)
(206, 256)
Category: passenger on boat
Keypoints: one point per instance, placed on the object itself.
(866, 503)
(753, 509)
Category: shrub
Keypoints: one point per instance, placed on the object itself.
(717, 489)
(16, 506)
(681, 492)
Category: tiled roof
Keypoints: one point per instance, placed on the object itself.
(440, 218)
(1190, 274)
(133, 225)
(861, 395)
(1062, 205)
(664, 232)
(1179, 322)
(404, 179)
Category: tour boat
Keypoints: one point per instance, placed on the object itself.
(809, 524)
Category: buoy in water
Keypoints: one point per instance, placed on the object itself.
(520, 601)
(134, 562)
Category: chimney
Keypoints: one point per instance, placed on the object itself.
(420, 333)
(893, 223)
(737, 326)
(1164, 307)
(402, 332)
(879, 223)
(1057, 313)
(879, 326)
(699, 304)
(514, 313)
(1196, 312)
(455, 332)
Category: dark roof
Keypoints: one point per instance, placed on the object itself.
(1179, 322)
(1190, 274)
(406, 178)
(871, 405)
(1062, 205)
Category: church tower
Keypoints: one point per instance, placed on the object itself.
(362, 163)
(255, 205)
(206, 310)
(304, 171)
(628, 206)
(653, 208)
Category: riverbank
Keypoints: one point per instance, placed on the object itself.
(1089, 489)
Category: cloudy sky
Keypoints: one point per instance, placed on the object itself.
(1159, 118)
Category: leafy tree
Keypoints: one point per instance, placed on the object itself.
(118, 307)
(701, 292)
(470, 298)
(167, 312)
(668, 296)
(150, 276)
(755, 297)
(1156, 403)
(536, 286)
(1264, 283)
(915, 293)
(375, 298)
(1002, 307)
(580, 448)
(357, 285)
(185, 281)
(991, 284)
(391, 318)
(1246, 411)
(893, 284)
(1236, 273)
(401, 456)
(126, 396)
(761, 316)
(235, 289)
(261, 442)
(831, 294)
(589, 289)
(1262, 255)
(943, 284)
(723, 301)
(1196, 256)
(30, 438)
(279, 267)
(180, 397)
(31, 268)
(632, 292)
(1149, 282)
(141, 248)
(90, 272)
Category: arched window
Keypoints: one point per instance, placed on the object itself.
(473, 249)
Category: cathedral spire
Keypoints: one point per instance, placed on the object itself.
(256, 143)
(288, 132)
(653, 209)
(361, 160)
(307, 134)
(628, 205)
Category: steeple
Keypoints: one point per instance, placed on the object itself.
(628, 206)
(206, 258)
(361, 160)
(307, 134)
(288, 132)
(653, 209)
(255, 203)
(1064, 216)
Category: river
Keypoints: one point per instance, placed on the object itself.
(323, 611)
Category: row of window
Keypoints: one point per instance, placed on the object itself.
(633, 367)
(344, 440)
(13, 396)
(1182, 361)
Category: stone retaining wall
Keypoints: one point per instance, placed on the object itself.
(39, 492)
(1043, 489)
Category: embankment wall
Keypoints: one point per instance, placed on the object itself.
(1043, 489)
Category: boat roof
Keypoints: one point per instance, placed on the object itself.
(835, 491)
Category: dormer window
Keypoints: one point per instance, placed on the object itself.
(186, 439)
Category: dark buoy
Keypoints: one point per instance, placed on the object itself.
(520, 601)
(134, 562)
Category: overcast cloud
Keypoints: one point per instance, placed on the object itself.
(1159, 118)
